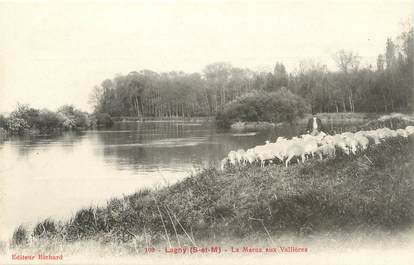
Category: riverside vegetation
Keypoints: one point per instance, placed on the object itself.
(280, 106)
(27, 120)
(369, 191)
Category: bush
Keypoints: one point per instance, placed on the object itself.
(22, 119)
(73, 118)
(49, 121)
(17, 125)
(280, 106)
(29, 115)
(25, 118)
(103, 119)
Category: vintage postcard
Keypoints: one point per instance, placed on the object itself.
(207, 132)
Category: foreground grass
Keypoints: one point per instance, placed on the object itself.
(373, 191)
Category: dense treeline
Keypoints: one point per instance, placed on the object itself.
(27, 120)
(386, 87)
(173, 94)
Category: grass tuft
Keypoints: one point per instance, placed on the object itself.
(20, 237)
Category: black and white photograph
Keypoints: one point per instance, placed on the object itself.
(207, 132)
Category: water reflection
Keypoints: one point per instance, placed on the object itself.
(25, 145)
(170, 146)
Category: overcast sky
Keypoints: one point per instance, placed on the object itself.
(53, 54)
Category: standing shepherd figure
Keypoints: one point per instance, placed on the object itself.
(314, 125)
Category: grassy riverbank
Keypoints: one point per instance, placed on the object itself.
(328, 119)
(373, 191)
(343, 117)
(344, 120)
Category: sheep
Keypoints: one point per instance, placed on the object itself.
(402, 132)
(250, 156)
(239, 156)
(374, 136)
(295, 150)
(347, 134)
(321, 134)
(319, 138)
(281, 139)
(232, 156)
(304, 137)
(327, 150)
(391, 133)
(352, 144)
(409, 130)
(341, 144)
(263, 155)
(323, 145)
(310, 146)
(360, 133)
(329, 139)
(362, 141)
(384, 133)
(278, 150)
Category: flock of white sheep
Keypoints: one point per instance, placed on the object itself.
(306, 146)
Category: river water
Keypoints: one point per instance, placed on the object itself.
(53, 176)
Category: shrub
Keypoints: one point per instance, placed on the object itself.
(48, 121)
(103, 119)
(24, 112)
(73, 118)
(280, 106)
(25, 118)
(17, 125)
